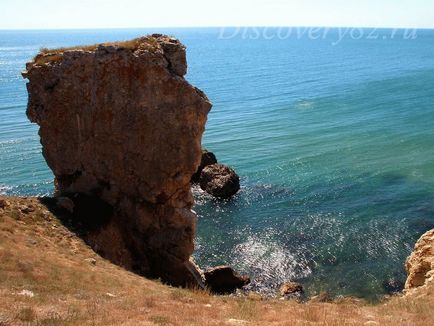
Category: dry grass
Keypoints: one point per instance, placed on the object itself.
(38, 254)
(46, 55)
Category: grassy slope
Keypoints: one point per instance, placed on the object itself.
(38, 254)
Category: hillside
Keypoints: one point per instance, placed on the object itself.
(49, 276)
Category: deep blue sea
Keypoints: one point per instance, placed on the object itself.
(333, 141)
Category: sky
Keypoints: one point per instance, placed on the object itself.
(63, 14)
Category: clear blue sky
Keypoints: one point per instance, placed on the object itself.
(42, 14)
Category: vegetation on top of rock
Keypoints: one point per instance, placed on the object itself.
(149, 43)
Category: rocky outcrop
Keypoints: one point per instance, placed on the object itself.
(223, 280)
(120, 124)
(208, 158)
(220, 181)
(420, 264)
(290, 288)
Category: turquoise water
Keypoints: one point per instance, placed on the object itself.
(334, 144)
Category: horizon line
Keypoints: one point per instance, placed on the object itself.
(208, 27)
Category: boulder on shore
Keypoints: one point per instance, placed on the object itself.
(223, 280)
(290, 288)
(220, 181)
(208, 158)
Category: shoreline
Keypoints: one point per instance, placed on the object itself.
(24, 206)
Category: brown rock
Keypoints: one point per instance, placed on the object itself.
(223, 279)
(174, 55)
(220, 181)
(290, 288)
(208, 158)
(120, 124)
(3, 203)
(420, 264)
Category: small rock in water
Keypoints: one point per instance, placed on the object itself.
(223, 279)
(208, 158)
(219, 181)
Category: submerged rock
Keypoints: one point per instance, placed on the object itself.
(208, 158)
(220, 181)
(119, 124)
(420, 264)
(223, 280)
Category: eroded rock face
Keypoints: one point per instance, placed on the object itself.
(420, 264)
(119, 123)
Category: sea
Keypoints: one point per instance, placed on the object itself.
(330, 130)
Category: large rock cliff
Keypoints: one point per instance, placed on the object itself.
(120, 124)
